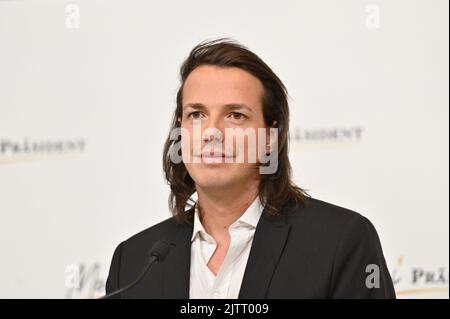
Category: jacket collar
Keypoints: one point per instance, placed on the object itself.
(270, 238)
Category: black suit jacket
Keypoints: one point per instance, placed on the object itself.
(315, 251)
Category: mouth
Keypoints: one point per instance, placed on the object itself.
(214, 158)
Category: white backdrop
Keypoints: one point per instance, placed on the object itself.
(87, 90)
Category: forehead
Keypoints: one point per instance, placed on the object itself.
(212, 85)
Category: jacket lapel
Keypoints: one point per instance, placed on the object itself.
(270, 237)
(176, 272)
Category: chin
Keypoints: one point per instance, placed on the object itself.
(214, 182)
(214, 179)
(218, 176)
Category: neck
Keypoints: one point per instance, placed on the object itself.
(220, 208)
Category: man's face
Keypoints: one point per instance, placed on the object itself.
(214, 99)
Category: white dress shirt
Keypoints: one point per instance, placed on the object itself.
(227, 283)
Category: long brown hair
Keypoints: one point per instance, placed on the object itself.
(274, 189)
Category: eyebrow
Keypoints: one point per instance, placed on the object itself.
(229, 106)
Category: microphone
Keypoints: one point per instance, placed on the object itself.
(157, 253)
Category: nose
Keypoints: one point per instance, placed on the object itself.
(213, 129)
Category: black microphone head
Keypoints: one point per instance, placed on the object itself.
(160, 249)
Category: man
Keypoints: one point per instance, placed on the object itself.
(251, 233)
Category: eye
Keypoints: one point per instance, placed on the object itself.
(237, 116)
(194, 115)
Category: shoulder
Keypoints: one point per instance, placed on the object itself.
(318, 211)
(167, 230)
(319, 219)
(131, 255)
